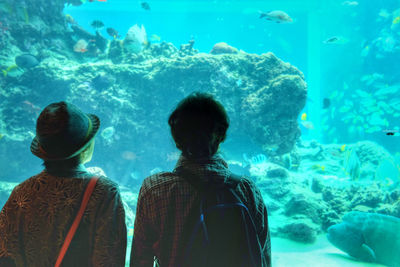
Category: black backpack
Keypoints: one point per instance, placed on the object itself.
(223, 231)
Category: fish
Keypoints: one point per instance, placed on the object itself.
(352, 164)
(278, 16)
(336, 40)
(108, 133)
(334, 94)
(9, 69)
(369, 237)
(386, 89)
(326, 103)
(383, 13)
(365, 51)
(345, 109)
(113, 33)
(129, 155)
(97, 24)
(308, 125)
(342, 148)
(388, 169)
(371, 78)
(363, 93)
(145, 5)
(130, 231)
(81, 46)
(26, 61)
(70, 19)
(258, 159)
(350, 3)
(1, 136)
(304, 116)
(30, 107)
(155, 38)
(318, 167)
(396, 20)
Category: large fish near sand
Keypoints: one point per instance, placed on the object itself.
(368, 237)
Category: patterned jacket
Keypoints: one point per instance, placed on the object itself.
(37, 216)
(164, 202)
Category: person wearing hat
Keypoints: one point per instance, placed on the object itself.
(35, 220)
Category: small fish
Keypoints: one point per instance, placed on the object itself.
(26, 61)
(1, 136)
(30, 107)
(308, 125)
(9, 69)
(129, 155)
(390, 133)
(113, 33)
(326, 103)
(155, 38)
(108, 133)
(304, 116)
(70, 19)
(97, 24)
(81, 46)
(258, 159)
(278, 16)
(342, 148)
(396, 20)
(350, 3)
(130, 231)
(145, 5)
(336, 40)
(352, 164)
(318, 167)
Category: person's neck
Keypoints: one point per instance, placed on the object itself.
(67, 171)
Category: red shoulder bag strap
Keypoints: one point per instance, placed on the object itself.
(75, 224)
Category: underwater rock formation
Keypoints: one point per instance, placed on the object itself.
(320, 192)
(249, 86)
(223, 48)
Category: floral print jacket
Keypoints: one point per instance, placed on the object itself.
(39, 213)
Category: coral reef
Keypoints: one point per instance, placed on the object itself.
(319, 192)
(119, 95)
(223, 48)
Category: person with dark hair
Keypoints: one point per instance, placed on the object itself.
(64, 215)
(166, 228)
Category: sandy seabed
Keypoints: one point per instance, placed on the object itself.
(319, 254)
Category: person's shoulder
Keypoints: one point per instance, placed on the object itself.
(28, 183)
(158, 180)
(106, 184)
(248, 188)
(245, 182)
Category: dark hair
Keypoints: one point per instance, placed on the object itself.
(62, 164)
(198, 125)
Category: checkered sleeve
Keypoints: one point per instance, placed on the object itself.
(142, 253)
(260, 216)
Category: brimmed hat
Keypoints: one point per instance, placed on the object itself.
(63, 131)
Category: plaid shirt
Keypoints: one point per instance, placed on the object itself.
(164, 203)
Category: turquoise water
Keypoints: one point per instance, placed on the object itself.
(345, 157)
